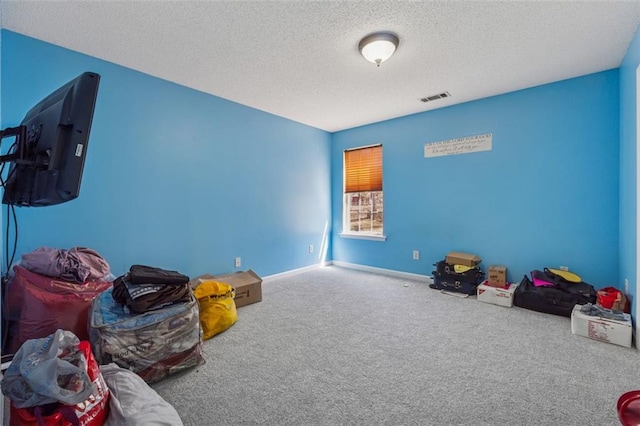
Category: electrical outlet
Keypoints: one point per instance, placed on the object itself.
(564, 268)
(626, 286)
(238, 262)
(416, 255)
(310, 248)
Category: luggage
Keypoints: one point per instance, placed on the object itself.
(556, 300)
(548, 277)
(448, 272)
(448, 284)
(446, 278)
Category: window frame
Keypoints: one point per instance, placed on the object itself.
(365, 176)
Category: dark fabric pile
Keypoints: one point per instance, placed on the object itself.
(146, 288)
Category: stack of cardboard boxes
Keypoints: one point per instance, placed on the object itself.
(496, 290)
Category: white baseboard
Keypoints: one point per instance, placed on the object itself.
(382, 271)
(391, 272)
(294, 271)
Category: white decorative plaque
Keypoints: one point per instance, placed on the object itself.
(464, 145)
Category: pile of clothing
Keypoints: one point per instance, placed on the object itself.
(602, 312)
(146, 288)
(77, 265)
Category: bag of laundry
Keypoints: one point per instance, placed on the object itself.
(217, 307)
(56, 381)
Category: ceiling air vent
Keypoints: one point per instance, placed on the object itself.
(435, 97)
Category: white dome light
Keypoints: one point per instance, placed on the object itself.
(378, 47)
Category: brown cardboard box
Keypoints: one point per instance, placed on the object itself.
(247, 285)
(497, 276)
(466, 259)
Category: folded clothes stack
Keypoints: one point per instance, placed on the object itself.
(147, 288)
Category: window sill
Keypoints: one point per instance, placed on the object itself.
(361, 236)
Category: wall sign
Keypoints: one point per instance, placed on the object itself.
(464, 145)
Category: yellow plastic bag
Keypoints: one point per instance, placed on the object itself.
(217, 307)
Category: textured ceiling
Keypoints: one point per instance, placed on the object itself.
(299, 59)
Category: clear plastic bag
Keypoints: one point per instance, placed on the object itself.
(154, 344)
(51, 369)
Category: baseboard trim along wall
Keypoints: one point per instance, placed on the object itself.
(295, 271)
(382, 271)
(407, 275)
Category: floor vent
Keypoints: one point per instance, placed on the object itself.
(435, 97)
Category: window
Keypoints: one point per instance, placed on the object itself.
(363, 205)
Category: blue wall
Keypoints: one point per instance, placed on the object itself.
(628, 185)
(174, 177)
(180, 179)
(545, 195)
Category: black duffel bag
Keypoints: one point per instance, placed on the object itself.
(557, 300)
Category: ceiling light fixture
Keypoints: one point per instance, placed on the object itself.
(378, 47)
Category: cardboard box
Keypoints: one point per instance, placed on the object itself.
(497, 276)
(495, 295)
(603, 329)
(466, 259)
(247, 285)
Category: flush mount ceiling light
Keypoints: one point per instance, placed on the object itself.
(378, 47)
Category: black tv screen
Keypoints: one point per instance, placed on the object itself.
(48, 161)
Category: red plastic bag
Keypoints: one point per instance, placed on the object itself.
(91, 412)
